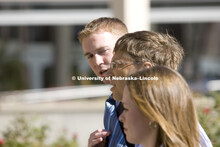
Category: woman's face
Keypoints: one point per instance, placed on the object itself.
(136, 124)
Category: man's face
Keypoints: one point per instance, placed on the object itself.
(125, 69)
(98, 49)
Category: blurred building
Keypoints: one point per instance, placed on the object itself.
(40, 36)
(43, 37)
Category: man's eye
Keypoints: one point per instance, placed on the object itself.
(118, 64)
(89, 56)
(113, 65)
(125, 109)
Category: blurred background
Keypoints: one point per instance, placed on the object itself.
(40, 52)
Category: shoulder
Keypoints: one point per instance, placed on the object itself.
(205, 141)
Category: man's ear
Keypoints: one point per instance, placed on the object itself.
(147, 65)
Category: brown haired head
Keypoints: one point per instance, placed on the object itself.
(169, 103)
(156, 48)
(103, 24)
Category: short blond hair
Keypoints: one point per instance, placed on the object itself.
(156, 48)
(105, 24)
(168, 102)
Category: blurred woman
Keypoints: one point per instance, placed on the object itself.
(159, 112)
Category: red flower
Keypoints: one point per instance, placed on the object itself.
(75, 136)
(206, 110)
(1, 141)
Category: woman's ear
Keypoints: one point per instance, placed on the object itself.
(147, 65)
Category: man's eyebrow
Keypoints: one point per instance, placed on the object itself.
(117, 60)
(86, 54)
(101, 48)
(96, 50)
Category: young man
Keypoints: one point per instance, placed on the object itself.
(139, 50)
(145, 49)
(98, 39)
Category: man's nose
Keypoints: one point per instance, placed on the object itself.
(98, 60)
(109, 73)
(121, 117)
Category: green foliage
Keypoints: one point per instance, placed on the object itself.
(11, 77)
(64, 142)
(23, 133)
(209, 118)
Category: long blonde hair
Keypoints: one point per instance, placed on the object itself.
(168, 102)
